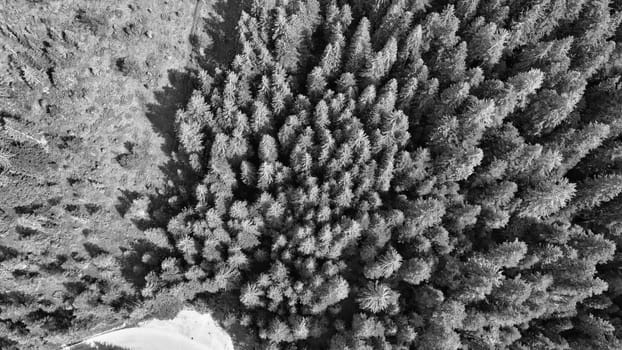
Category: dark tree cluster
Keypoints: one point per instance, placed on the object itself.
(406, 174)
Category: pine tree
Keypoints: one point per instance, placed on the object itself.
(547, 198)
(415, 271)
(359, 48)
(330, 293)
(440, 333)
(379, 65)
(422, 214)
(575, 144)
(466, 9)
(410, 51)
(377, 297)
(285, 33)
(396, 21)
(434, 170)
(594, 191)
(487, 43)
(385, 266)
(367, 327)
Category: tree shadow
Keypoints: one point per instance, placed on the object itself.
(7, 253)
(168, 101)
(169, 200)
(133, 268)
(4, 114)
(75, 287)
(161, 115)
(124, 202)
(221, 27)
(93, 249)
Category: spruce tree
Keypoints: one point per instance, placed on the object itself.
(408, 174)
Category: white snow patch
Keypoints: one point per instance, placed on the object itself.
(189, 330)
(194, 325)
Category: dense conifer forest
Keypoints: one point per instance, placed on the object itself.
(396, 174)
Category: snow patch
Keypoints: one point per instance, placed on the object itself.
(189, 330)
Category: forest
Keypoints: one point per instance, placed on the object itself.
(388, 174)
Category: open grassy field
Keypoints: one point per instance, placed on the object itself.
(88, 94)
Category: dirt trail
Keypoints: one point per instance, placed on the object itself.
(195, 17)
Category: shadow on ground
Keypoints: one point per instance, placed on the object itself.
(161, 115)
(171, 98)
(166, 202)
(221, 27)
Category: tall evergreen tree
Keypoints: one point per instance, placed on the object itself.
(398, 174)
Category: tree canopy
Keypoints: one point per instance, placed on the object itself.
(407, 174)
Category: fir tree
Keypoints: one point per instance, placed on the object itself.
(377, 297)
(395, 174)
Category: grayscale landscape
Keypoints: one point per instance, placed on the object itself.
(311, 174)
